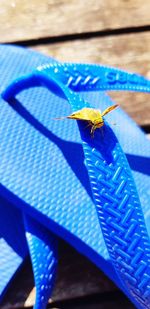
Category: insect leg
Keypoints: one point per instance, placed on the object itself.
(88, 125)
(93, 128)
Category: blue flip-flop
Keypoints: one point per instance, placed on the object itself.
(56, 176)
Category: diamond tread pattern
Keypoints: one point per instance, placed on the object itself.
(13, 249)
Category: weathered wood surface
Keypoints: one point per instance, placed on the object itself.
(130, 52)
(24, 20)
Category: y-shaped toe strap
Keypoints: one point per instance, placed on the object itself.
(115, 195)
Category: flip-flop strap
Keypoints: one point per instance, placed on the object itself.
(116, 199)
(82, 77)
(43, 252)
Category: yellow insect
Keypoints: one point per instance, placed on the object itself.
(94, 117)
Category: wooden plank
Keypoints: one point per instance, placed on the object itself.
(130, 52)
(24, 20)
(105, 301)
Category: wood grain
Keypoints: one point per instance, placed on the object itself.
(104, 302)
(24, 20)
(130, 52)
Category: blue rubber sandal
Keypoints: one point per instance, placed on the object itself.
(44, 173)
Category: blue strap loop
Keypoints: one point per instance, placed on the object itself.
(89, 77)
(80, 77)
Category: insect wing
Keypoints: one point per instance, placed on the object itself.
(88, 114)
(82, 114)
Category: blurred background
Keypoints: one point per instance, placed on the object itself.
(115, 33)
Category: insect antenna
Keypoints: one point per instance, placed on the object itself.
(59, 118)
(109, 109)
